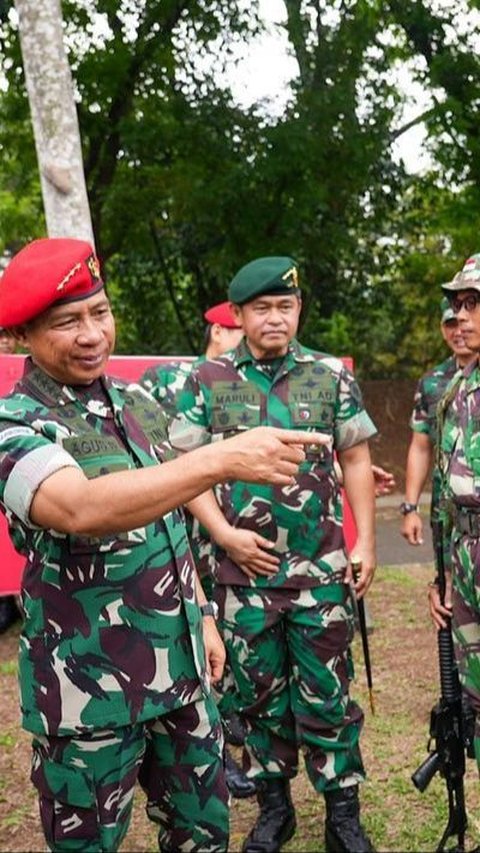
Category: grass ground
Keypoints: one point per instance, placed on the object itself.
(398, 818)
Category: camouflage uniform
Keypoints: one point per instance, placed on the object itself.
(165, 382)
(429, 391)
(111, 652)
(287, 635)
(460, 464)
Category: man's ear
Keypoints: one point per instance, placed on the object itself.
(237, 312)
(20, 335)
(215, 332)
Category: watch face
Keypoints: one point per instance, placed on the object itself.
(210, 609)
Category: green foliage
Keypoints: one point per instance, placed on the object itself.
(185, 187)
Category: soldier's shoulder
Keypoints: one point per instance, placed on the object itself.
(329, 362)
(212, 368)
(16, 403)
(164, 371)
(17, 414)
(445, 368)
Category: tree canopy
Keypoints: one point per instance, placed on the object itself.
(185, 186)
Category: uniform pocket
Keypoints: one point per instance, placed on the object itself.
(234, 406)
(68, 806)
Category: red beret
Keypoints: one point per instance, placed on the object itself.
(222, 314)
(47, 271)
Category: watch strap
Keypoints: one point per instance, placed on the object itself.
(209, 609)
(407, 507)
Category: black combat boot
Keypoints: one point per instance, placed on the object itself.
(343, 831)
(234, 730)
(276, 822)
(237, 782)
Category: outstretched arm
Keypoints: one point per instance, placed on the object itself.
(70, 503)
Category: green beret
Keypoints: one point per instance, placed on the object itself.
(447, 311)
(265, 276)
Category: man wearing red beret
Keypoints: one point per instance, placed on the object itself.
(116, 654)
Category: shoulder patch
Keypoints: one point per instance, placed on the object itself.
(14, 432)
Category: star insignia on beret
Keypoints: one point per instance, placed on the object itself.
(94, 266)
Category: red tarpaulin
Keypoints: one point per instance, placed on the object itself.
(128, 367)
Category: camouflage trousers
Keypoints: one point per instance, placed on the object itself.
(289, 651)
(466, 621)
(86, 783)
(224, 690)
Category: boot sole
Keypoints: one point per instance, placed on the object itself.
(333, 845)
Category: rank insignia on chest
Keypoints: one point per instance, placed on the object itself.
(305, 414)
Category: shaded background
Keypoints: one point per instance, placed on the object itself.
(389, 404)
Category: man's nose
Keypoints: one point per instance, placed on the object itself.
(89, 330)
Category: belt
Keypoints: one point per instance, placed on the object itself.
(467, 521)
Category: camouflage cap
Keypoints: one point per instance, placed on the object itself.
(265, 276)
(468, 278)
(447, 311)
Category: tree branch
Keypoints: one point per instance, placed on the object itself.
(170, 285)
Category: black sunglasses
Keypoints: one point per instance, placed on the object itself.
(469, 302)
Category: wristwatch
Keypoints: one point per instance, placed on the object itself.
(405, 508)
(209, 609)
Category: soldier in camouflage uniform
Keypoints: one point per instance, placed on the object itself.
(423, 422)
(165, 381)
(281, 571)
(459, 460)
(118, 641)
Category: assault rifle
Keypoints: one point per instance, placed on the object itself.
(451, 728)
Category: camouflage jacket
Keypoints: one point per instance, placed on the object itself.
(460, 438)
(429, 391)
(165, 382)
(310, 390)
(112, 632)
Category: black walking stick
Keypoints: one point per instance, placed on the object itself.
(360, 605)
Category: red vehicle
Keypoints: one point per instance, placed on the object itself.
(129, 367)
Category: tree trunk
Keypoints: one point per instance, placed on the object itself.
(54, 118)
